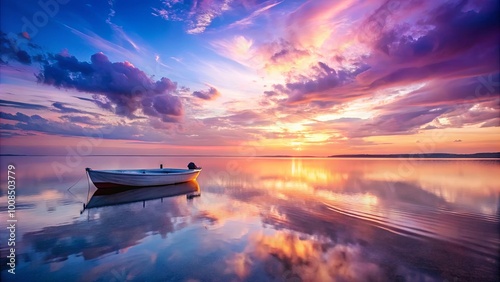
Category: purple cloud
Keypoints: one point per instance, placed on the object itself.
(319, 88)
(17, 48)
(20, 105)
(36, 123)
(210, 94)
(80, 119)
(17, 117)
(405, 121)
(452, 51)
(463, 41)
(117, 87)
(63, 108)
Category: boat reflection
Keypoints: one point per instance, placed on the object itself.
(115, 223)
(118, 196)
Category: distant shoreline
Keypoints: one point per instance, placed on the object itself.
(492, 155)
(488, 155)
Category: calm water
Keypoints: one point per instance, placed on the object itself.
(260, 219)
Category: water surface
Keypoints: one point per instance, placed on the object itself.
(258, 219)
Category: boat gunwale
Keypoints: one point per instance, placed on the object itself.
(146, 172)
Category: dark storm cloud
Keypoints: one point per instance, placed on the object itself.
(118, 87)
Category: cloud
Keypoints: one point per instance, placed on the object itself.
(313, 23)
(287, 54)
(450, 92)
(406, 56)
(36, 123)
(62, 108)
(198, 14)
(325, 87)
(414, 43)
(81, 119)
(118, 29)
(405, 121)
(18, 117)
(457, 101)
(457, 140)
(21, 105)
(239, 48)
(224, 131)
(451, 40)
(249, 19)
(492, 123)
(18, 48)
(23, 57)
(210, 94)
(118, 87)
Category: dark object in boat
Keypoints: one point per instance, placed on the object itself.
(191, 165)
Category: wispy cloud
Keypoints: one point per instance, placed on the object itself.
(107, 46)
(81, 119)
(21, 105)
(118, 29)
(198, 14)
(249, 20)
(65, 109)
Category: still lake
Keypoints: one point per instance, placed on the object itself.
(257, 219)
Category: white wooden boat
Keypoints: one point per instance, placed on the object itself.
(104, 179)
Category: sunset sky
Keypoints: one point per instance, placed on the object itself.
(248, 77)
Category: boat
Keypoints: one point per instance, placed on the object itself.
(105, 179)
(125, 195)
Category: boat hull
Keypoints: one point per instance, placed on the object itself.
(106, 179)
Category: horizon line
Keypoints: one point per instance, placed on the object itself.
(395, 155)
